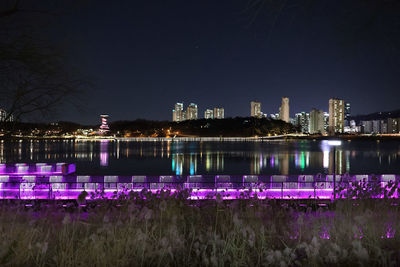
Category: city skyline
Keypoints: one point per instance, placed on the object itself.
(255, 111)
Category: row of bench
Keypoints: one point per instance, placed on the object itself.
(206, 179)
(275, 186)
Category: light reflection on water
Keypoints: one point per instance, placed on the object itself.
(104, 152)
(189, 158)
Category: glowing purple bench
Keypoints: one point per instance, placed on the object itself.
(45, 169)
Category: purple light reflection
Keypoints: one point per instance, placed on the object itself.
(104, 152)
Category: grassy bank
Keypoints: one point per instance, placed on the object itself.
(164, 230)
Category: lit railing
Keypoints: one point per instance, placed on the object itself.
(199, 186)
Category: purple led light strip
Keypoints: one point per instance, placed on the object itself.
(194, 194)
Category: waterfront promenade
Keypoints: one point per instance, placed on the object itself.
(42, 181)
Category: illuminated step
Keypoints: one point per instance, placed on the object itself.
(45, 169)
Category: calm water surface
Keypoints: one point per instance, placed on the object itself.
(184, 158)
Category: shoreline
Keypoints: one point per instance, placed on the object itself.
(215, 139)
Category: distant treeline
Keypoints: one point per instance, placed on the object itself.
(25, 127)
(377, 116)
(238, 126)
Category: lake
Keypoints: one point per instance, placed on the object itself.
(209, 157)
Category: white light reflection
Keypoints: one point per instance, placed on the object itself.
(117, 149)
(333, 142)
(325, 154)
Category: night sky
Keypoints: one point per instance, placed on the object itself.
(144, 56)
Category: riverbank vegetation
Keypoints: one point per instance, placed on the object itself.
(145, 229)
(229, 127)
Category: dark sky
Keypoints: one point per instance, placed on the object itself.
(144, 56)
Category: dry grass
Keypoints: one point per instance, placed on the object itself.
(164, 230)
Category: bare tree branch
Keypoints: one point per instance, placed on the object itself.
(10, 10)
(34, 77)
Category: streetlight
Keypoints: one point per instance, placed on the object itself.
(334, 144)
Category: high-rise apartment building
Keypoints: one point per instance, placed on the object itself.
(393, 125)
(389, 126)
(366, 127)
(326, 121)
(284, 109)
(347, 110)
(209, 114)
(317, 122)
(178, 113)
(174, 118)
(219, 113)
(376, 126)
(336, 116)
(302, 119)
(191, 112)
(384, 127)
(255, 110)
(3, 115)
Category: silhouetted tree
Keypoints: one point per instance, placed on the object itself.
(34, 77)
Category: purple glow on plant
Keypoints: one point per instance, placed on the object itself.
(294, 236)
(390, 231)
(358, 232)
(324, 234)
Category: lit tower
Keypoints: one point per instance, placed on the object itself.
(317, 121)
(104, 125)
(178, 114)
(191, 112)
(219, 113)
(284, 109)
(255, 110)
(302, 119)
(209, 114)
(336, 116)
(3, 115)
(347, 110)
